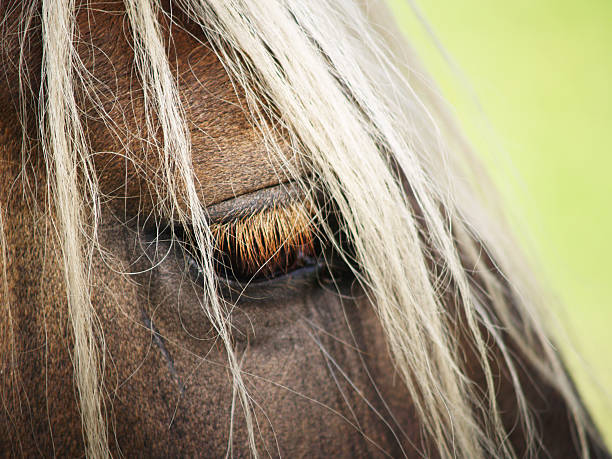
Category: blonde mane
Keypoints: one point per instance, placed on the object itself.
(333, 83)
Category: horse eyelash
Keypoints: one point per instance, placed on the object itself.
(267, 243)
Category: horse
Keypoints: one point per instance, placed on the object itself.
(252, 228)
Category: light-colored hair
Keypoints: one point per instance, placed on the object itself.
(338, 86)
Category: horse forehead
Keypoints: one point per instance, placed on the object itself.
(229, 156)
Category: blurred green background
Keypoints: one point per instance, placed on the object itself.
(541, 72)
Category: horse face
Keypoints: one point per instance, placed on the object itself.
(312, 352)
(315, 363)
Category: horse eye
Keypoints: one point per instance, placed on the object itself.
(266, 245)
(263, 246)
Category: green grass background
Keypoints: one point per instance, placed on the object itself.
(541, 71)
